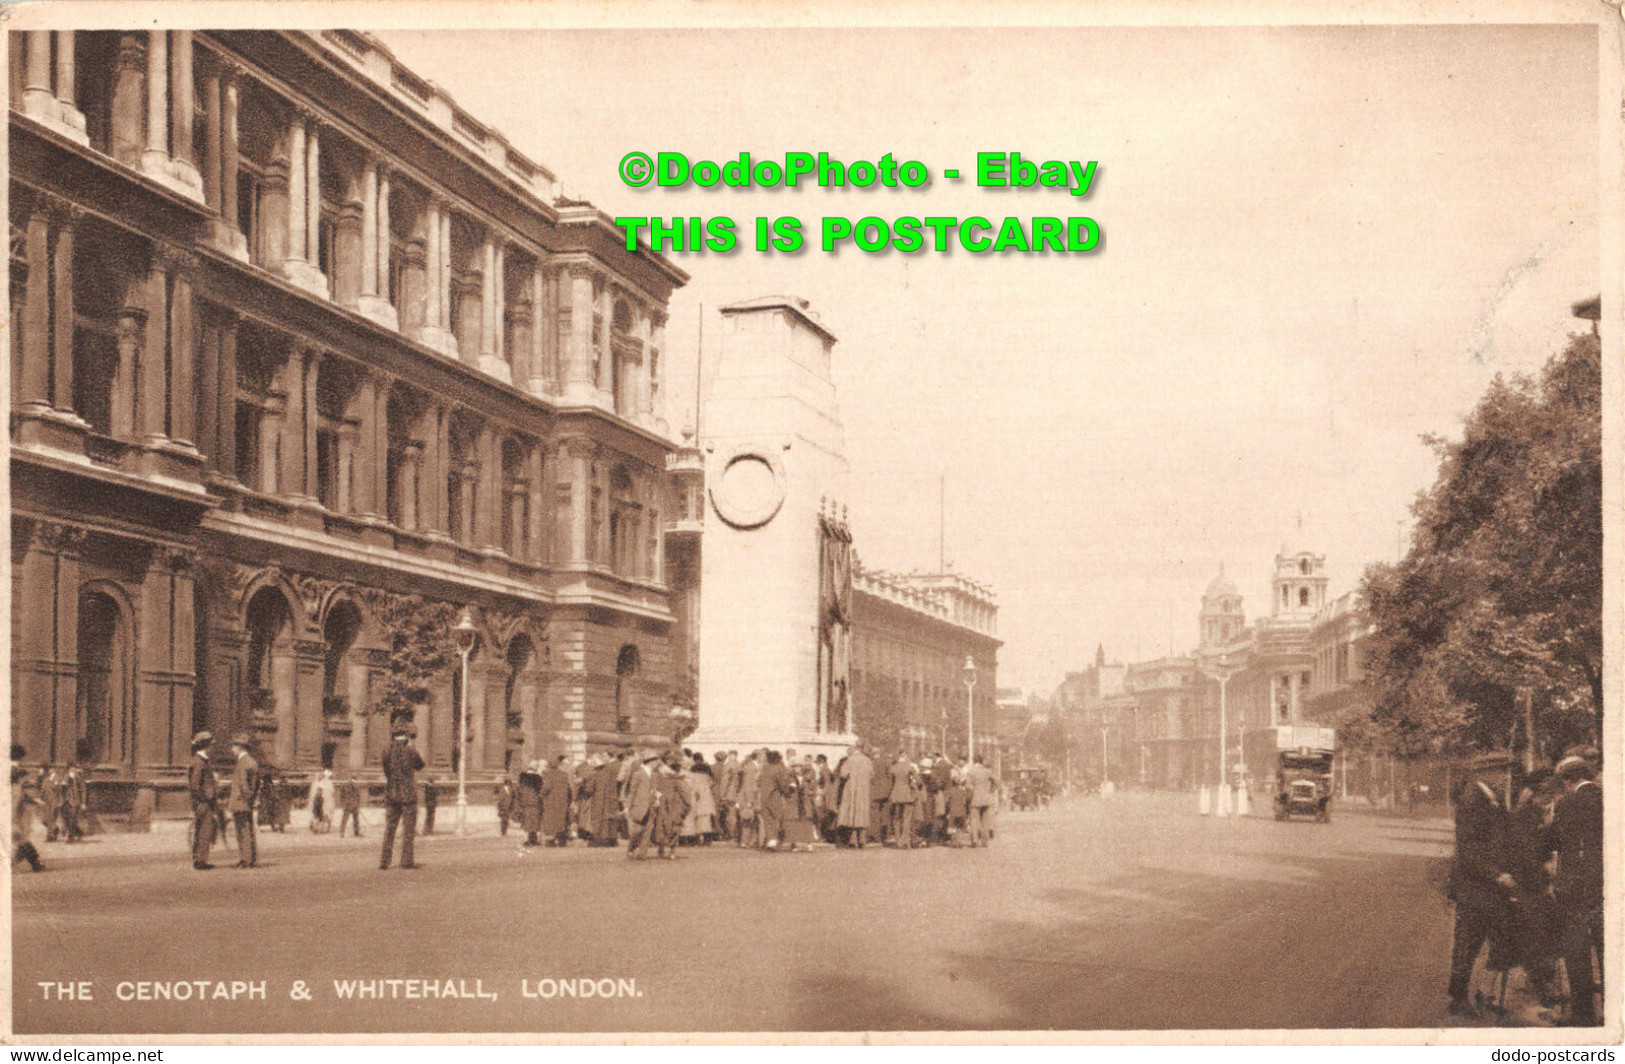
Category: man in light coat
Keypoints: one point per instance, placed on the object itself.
(980, 778)
(640, 805)
(245, 785)
(857, 772)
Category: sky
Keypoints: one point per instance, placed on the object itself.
(1319, 244)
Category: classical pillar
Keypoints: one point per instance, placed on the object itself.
(182, 99)
(470, 531)
(230, 96)
(540, 379)
(310, 423)
(657, 372)
(349, 255)
(212, 137)
(292, 481)
(163, 710)
(209, 436)
(127, 105)
(535, 468)
(156, 155)
(499, 301)
(381, 235)
(346, 475)
(410, 472)
(226, 398)
(298, 172)
(313, 194)
(579, 383)
(38, 97)
(153, 393)
(578, 453)
(435, 253)
(369, 229)
(364, 462)
(132, 326)
(488, 530)
(379, 450)
(1294, 682)
(65, 68)
(182, 351)
(445, 271)
(34, 381)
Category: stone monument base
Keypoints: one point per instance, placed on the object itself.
(708, 741)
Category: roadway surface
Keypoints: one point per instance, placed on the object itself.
(1131, 914)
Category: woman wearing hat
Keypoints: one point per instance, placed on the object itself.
(530, 802)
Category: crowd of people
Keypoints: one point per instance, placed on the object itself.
(1527, 881)
(767, 800)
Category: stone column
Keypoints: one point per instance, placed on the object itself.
(542, 378)
(209, 436)
(313, 194)
(153, 393)
(163, 710)
(657, 373)
(535, 470)
(489, 454)
(1294, 683)
(437, 459)
(445, 276)
(410, 472)
(34, 381)
(369, 230)
(292, 481)
(65, 72)
(182, 351)
(297, 173)
(127, 106)
(470, 530)
(212, 137)
(434, 254)
(578, 452)
(37, 641)
(155, 158)
(226, 398)
(520, 316)
(230, 97)
(364, 477)
(579, 383)
(182, 99)
(38, 97)
(311, 421)
(132, 326)
(349, 255)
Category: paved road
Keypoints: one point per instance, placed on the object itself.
(1132, 914)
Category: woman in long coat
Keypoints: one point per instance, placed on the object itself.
(555, 803)
(800, 829)
(670, 807)
(776, 789)
(857, 772)
(702, 803)
(606, 803)
(530, 803)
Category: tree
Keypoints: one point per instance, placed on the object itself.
(1500, 598)
(421, 649)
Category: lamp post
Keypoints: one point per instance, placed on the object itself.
(945, 731)
(466, 635)
(970, 707)
(1221, 670)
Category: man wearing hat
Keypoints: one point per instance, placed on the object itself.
(401, 764)
(640, 804)
(245, 783)
(1480, 883)
(205, 794)
(1575, 835)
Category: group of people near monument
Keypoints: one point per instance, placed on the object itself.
(767, 800)
(1527, 881)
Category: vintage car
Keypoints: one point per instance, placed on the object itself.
(1303, 785)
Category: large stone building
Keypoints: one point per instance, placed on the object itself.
(1159, 722)
(306, 361)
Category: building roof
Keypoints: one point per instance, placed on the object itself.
(1222, 586)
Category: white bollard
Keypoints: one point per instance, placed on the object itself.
(1206, 803)
(1222, 807)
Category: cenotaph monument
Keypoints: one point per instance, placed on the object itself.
(775, 569)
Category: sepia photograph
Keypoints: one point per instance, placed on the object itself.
(1022, 524)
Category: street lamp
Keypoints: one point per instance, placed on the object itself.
(1222, 670)
(969, 672)
(944, 731)
(466, 635)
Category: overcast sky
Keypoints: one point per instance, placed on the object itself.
(1319, 244)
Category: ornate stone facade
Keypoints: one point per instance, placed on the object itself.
(306, 362)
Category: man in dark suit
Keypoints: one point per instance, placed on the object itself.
(245, 784)
(350, 802)
(1480, 883)
(1575, 835)
(640, 805)
(556, 802)
(401, 765)
(431, 802)
(205, 796)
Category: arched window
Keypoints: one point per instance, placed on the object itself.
(339, 632)
(269, 633)
(1303, 596)
(625, 519)
(516, 529)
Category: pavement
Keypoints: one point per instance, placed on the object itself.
(1130, 914)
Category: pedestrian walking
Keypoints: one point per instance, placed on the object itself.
(1575, 836)
(319, 801)
(640, 805)
(245, 785)
(24, 803)
(857, 774)
(402, 762)
(671, 805)
(530, 803)
(52, 784)
(555, 819)
(204, 792)
(980, 778)
(503, 793)
(74, 801)
(776, 789)
(904, 797)
(749, 799)
(605, 800)
(1480, 884)
(350, 802)
(431, 802)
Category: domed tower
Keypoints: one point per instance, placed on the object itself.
(1222, 619)
(1298, 589)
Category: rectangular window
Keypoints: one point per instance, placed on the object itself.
(327, 468)
(248, 444)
